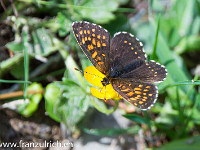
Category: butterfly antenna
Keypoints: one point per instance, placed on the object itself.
(86, 72)
(105, 94)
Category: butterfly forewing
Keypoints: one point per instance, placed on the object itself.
(142, 95)
(95, 43)
(126, 53)
(150, 72)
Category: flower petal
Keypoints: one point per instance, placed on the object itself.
(93, 76)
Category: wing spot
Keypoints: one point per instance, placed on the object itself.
(76, 35)
(83, 41)
(140, 86)
(138, 96)
(93, 35)
(103, 55)
(90, 47)
(135, 104)
(155, 72)
(85, 38)
(99, 58)
(98, 44)
(139, 89)
(141, 102)
(84, 31)
(139, 57)
(103, 44)
(98, 36)
(147, 87)
(129, 84)
(132, 48)
(93, 30)
(129, 43)
(135, 53)
(144, 99)
(123, 87)
(93, 42)
(138, 92)
(88, 31)
(130, 94)
(125, 90)
(155, 75)
(104, 37)
(94, 54)
(125, 41)
(100, 63)
(81, 32)
(89, 38)
(145, 90)
(144, 93)
(150, 94)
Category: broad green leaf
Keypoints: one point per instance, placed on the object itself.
(101, 106)
(188, 44)
(100, 11)
(52, 94)
(34, 96)
(63, 22)
(15, 46)
(191, 143)
(17, 70)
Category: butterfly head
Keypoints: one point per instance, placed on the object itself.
(105, 81)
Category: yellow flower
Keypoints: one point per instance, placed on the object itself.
(93, 76)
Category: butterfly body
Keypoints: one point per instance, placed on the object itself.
(122, 61)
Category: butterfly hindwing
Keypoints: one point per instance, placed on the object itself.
(95, 43)
(142, 95)
(150, 72)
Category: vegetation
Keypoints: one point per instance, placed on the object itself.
(45, 46)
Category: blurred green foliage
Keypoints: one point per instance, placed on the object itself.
(168, 30)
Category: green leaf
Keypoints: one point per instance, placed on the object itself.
(17, 70)
(99, 11)
(62, 21)
(72, 104)
(28, 108)
(15, 46)
(191, 143)
(101, 106)
(52, 94)
(137, 119)
(188, 44)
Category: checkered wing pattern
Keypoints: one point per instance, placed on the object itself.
(150, 72)
(126, 54)
(142, 95)
(95, 43)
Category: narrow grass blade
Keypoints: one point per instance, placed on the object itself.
(26, 60)
(14, 81)
(153, 56)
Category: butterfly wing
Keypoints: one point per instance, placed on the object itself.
(142, 95)
(126, 54)
(95, 43)
(150, 72)
(128, 61)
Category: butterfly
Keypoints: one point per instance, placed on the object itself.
(122, 61)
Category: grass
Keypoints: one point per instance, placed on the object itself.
(162, 32)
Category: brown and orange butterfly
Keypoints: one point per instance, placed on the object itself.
(122, 61)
